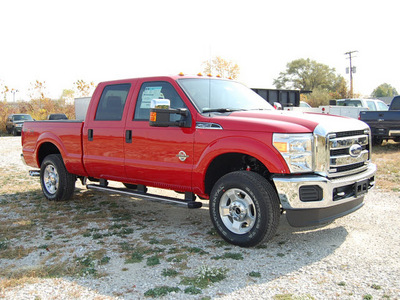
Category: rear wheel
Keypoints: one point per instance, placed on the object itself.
(244, 208)
(57, 183)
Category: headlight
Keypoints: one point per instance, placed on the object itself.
(296, 149)
(18, 125)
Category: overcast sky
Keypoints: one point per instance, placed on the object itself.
(60, 42)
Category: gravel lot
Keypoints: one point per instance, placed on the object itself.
(97, 236)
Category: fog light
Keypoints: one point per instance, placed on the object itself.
(310, 193)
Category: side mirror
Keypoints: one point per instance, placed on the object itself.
(332, 102)
(278, 106)
(160, 115)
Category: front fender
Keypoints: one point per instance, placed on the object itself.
(256, 148)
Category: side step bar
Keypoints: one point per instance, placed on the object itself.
(190, 203)
(34, 172)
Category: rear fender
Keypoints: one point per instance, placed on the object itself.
(71, 152)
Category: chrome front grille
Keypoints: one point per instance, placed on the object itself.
(349, 152)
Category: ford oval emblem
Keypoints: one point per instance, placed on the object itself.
(355, 150)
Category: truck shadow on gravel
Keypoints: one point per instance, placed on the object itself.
(125, 246)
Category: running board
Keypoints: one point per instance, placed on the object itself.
(152, 197)
(34, 172)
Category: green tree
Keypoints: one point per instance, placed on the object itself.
(222, 67)
(309, 75)
(306, 74)
(384, 90)
(68, 95)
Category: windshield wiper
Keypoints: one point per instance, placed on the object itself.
(221, 110)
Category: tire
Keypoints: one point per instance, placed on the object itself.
(244, 208)
(14, 132)
(377, 141)
(57, 183)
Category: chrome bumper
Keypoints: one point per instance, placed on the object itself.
(334, 197)
(334, 191)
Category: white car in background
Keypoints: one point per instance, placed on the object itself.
(370, 104)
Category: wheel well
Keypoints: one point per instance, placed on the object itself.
(231, 162)
(46, 149)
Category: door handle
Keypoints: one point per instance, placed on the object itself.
(90, 135)
(128, 136)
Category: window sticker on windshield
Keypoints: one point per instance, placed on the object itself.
(150, 93)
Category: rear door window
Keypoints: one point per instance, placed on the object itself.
(112, 102)
(371, 105)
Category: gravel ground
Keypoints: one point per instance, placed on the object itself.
(355, 257)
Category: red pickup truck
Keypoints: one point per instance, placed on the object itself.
(213, 138)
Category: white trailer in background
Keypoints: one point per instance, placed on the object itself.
(81, 106)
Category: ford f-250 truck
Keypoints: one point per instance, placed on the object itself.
(213, 138)
(385, 125)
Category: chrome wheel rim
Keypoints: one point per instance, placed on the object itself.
(237, 211)
(51, 179)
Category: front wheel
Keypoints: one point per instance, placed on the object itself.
(57, 183)
(244, 208)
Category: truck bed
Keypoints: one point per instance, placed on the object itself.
(383, 124)
(65, 134)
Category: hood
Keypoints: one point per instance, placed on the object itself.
(285, 121)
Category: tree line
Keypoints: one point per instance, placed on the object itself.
(325, 84)
(40, 105)
(300, 74)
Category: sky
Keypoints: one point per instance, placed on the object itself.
(60, 42)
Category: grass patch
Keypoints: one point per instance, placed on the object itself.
(192, 290)
(136, 257)
(169, 273)
(229, 255)
(4, 243)
(388, 172)
(205, 276)
(153, 260)
(291, 297)
(255, 274)
(16, 252)
(161, 291)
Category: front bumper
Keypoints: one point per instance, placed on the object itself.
(314, 199)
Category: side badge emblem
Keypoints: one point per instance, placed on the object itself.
(182, 155)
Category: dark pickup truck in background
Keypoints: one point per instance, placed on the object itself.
(385, 125)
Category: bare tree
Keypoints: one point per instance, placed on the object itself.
(222, 67)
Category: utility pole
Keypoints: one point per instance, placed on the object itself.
(351, 71)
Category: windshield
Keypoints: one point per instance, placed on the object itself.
(215, 95)
(22, 118)
(356, 103)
